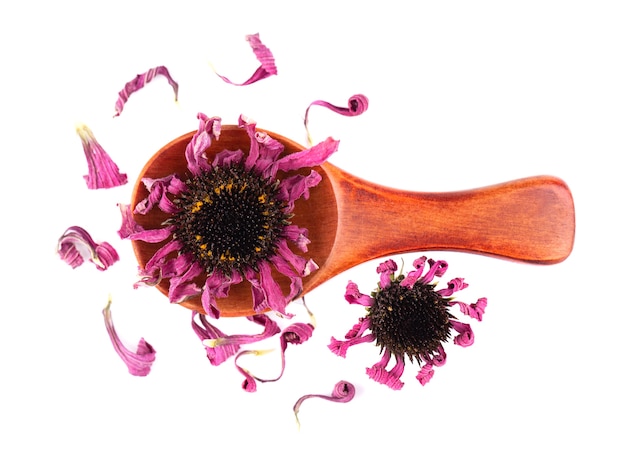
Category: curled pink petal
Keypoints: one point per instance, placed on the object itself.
(249, 383)
(76, 245)
(454, 285)
(475, 310)
(354, 296)
(465, 338)
(357, 105)
(425, 374)
(102, 171)
(296, 334)
(342, 392)
(386, 269)
(138, 362)
(205, 330)
(264, 56)
(139, 82)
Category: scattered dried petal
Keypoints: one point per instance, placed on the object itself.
(140, 362)
(103, 172)
(343, 392)
(205, 330)
(140, 81)
(76, 245)
(264, 56)
(357, 105)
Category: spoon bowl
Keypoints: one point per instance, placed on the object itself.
(351, 220)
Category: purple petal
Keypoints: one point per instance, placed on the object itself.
(182, 286)
(249, 383)
(274, 299)
(465, 338)
(414, 275)
(217, 286)
(340, 347)
(153, 235)
(342, 392)
(296, 334)
(298, 235)
(357, 105)
(157, 189)
(437, 269)
(129, 225)
(209, 129)
(139, 82)
(386, 270)
(103, 172)
(296, 186)
(425, 374)
(205, 330)
(475, 310)
(390, 378)
(140, 362)
(454, 285)
(270, 328)
(354, 296)
(311, 157)
(76, 245)
(264, 56)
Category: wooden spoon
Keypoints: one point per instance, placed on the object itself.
(351, 220)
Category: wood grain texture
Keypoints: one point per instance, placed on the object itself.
(351, 220)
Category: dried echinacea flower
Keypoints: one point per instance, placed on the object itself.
(139, 81)
(139, 362)
(343, 392)
(264, 56)
(76, 245)
(406, 316)
(229, 220)
(103, 172)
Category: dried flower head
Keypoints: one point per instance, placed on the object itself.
(406, 316)
(230, 220)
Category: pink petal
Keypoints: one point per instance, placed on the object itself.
(454, 285)
(205, 330)
(425, 374)
(342, 392)
(465, 338)
(390, 378)
(139, 362)
(139, 82)
(264, 56)
(209, 129)
(249, 382)
(357, 105)
(311, 157)
(76, 245)
(103, 172)
(386, 270)
(354, 296)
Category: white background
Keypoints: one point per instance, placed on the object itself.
(462, 94)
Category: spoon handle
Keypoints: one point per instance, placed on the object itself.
(529, 220)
